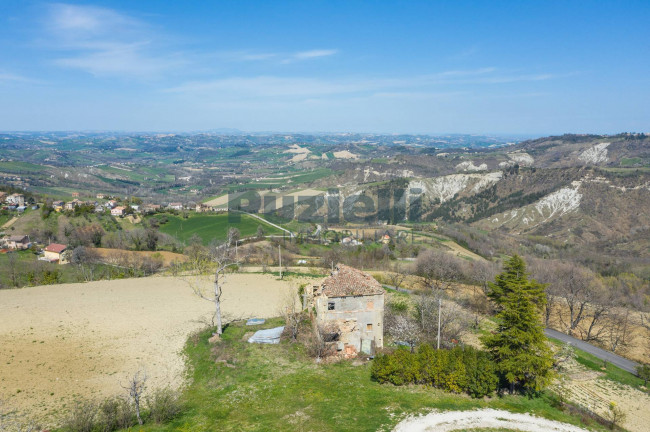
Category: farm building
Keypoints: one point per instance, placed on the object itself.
(55, 252)
(117, 211)
(58, 205)
(16, 199)
(70, 205)
(17, 242)
(353, 302)
(150, 208)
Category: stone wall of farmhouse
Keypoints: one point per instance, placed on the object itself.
(358, 317)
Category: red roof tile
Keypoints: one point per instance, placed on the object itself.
(55, 247)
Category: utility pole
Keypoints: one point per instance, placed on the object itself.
(280, 259)
(439, 310)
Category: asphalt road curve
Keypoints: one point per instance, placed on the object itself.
(616, 360)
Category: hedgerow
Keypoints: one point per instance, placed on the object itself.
(459, 370)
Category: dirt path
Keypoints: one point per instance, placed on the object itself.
(486, 418)
(10, 222)
(60, 341)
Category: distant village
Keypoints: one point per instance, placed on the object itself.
(17, 203)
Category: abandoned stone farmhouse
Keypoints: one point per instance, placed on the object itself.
(353, 301)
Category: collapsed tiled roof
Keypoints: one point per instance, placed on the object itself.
(348, 281)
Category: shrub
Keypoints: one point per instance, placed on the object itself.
(457, 370)
(164, 404)
(82, 418)
(399, 368)
(481, 373)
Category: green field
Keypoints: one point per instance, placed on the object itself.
(212, 226)
(279, 388)
(21, 167)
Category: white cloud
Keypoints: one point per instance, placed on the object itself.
(419, 86)
(104, 42)
(314, 53)
(282, 57)
(88, 19)
(8, 77)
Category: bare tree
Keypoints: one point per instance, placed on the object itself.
(547, 272)
(619, 330)
(454, 321)
(403, 328)
(233, 236)
(292, 314)
(221, 259)
(481, 274)
(397, 277)
(439, 270)
(135, 388)
(14, 273)
(576, 288)
(85, 258)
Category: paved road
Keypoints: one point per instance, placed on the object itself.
(602, 354)
(610, 357)
(623, 363)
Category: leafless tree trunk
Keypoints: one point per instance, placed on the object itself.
(292, 315)
(619, 330)
(595, 330)
(13, 270)
(135, 389)
(397, 277)
(222, 257)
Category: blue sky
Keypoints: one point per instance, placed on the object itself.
(497, 67)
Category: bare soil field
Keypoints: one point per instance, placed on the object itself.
(167, 257)
(62, 341)
(589, 389)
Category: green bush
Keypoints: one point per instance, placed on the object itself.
(459, 370)
(399, 368)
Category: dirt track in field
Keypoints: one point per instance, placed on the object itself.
(61, 341)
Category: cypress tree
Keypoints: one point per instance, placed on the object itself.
(519, 346)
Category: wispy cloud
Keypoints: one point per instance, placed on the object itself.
(439, 83)
(282, 57)
(7, 78)
(104, 42)
(314, 53)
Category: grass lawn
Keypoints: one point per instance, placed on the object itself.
(277, 387)
(212, 226)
